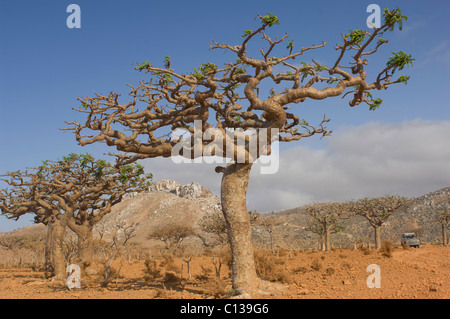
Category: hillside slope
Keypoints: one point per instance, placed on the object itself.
(418, 217)
(169, 203)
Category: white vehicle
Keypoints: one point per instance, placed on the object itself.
(410, 239)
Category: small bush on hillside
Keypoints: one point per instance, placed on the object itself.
(387, 247)
(152, 271)
(316, 265)
(270, 268)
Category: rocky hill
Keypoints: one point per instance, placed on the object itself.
(168, 204)
(419, 217)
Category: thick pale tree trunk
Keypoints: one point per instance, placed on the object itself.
(48, 264)
(85, 237)
(59, 263)
(233, 195)
(85, 245)
(322, 243)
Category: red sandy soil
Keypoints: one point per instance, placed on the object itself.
(411, 273)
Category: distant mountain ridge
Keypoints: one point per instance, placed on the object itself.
(418, 217)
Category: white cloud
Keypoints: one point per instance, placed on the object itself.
(375, 159)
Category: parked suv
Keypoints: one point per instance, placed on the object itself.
(410, 239)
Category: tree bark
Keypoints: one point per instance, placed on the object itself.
(85, 237)
(85, 246)
(233, 196)
(48, 255)
(271, 241)
(59, 263)
(327, 240)
(444, 233)
(377, 233)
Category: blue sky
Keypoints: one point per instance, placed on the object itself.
(45, 66)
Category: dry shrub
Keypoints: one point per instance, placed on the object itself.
(387, 247)
(217, 288)
(168, 263)
(301, 270)
(152, 271)
(346, 266)
(223, 258)
(112, 273)
(205, 273)
(316, 265)
(227, 258)
(270, 268)
(282, 252)
(330, 271)
(171, 278)
(366, 251)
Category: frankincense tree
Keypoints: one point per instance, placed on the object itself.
(76, 191)
(377, 210)
(229, 98)
(326, 220)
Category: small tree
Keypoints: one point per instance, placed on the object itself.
(440, 206)
(443, 216)
(215, 226)
(326, 219)
(113, 238)
(377, 211)
(77, 191)
(268, 224)
(173, 237)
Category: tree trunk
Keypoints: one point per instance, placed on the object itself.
(271, 241)
(327, 240)
(377, 233)
(85, 248)
(444, 233)
(322, 243)
(59, 263)
(48, 264)
(85, 237)
(233, 196)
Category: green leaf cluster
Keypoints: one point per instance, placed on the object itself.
(247, 33)
(376, 103)
(232, 86)
(403, 79)
(356, 36)
(167, 62)
(399, 60)
(332, 80)
(269, 19)
(305, 71)
(204, 70)
(238, 71)
(145, 65)
(290, 44)
(391, 17)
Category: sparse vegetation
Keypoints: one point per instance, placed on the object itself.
(316, 265)
(387, 247)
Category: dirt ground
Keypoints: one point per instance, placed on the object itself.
(340, 274)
